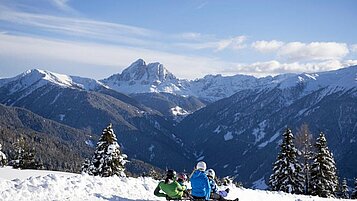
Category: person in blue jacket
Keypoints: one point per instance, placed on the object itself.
(216, 194)
(201, 189)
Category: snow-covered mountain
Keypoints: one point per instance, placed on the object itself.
(89, 105)
(140, 77)
(151, 84)
(35, 78)
(23, 185)
(217, 87)
(247, 126)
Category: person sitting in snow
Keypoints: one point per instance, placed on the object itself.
(215, 193)
(182, 179)
(170, 188)
(199, 183)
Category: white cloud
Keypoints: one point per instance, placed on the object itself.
(190, 36)
(267, 46)
(274, 67)
(302, 52)
(235, 43)
(297, 51)
(353, 48)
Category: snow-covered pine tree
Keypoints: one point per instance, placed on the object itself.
(345, 192)
(354, 192)
(108, 159)
(3, 159)
(304, 145)
(25, 156)
(324, 180)
(85, 166)
(287, 172)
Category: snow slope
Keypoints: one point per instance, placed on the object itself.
(38, 185)
(35, 78)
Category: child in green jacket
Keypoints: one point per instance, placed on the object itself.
(170, 188)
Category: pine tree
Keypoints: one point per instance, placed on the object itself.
(324, 180)
(25, 156)
(287, 173)
(108, 159)
(3, 159)
(344, 190)
(304, 145)
(85, 166)
(354, 192)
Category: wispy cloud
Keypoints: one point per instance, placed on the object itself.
(234, 43)
(201, 5)
(117, 33)
(62, 5)
(79, 27)
(103, 55)
(192, 36)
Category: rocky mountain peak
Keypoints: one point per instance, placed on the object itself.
(140, 71)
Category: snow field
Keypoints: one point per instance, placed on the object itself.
(35, 185)
(58, 186)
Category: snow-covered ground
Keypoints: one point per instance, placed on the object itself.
(34, 185)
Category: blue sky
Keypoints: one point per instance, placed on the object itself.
(191, 38)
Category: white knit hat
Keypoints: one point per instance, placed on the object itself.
(201, 166)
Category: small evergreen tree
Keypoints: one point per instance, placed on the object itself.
(85, 166)
(324, 180)
(345, 192)
(108, 159)
(304, 145)
(25, 156)
(354, 192)
(287, 173)
(3, 159)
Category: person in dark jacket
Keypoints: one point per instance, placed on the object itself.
(199, 183)
(170, 188)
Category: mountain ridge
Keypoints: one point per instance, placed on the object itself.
(140, 77)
